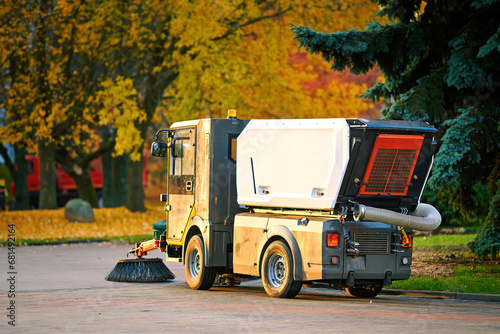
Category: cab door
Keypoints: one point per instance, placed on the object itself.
(181, 182)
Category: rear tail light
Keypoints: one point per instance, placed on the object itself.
(332, 240)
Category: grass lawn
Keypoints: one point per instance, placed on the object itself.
(471, 276)
(480, 279)
(442, 240)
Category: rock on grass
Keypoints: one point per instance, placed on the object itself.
(78, 210)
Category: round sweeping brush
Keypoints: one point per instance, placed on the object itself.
(140, 270)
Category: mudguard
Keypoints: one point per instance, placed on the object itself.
(282, 232)
(197, 224)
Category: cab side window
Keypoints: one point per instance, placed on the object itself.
(183, 153)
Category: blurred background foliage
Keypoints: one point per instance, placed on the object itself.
(85, 80)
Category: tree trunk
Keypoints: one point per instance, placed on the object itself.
(108, 196)
(48, 185)
(108, 193)
(114, 187)
(46, 151)
(18, 170)
(21, 183)
(79, 170)
(154, 90)
(85, 187)
(135, 193)
(120, 179)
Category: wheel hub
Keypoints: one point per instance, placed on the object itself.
(194, 263)
(277, 270)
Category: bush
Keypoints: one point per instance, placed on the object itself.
(487, 241)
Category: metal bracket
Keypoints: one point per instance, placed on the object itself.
(170, 133)
(388, 278)
(350, 278)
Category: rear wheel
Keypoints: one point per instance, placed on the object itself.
(364, 292)
(199, 277)
(277, 271)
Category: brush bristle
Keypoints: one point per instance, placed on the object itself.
(140, 271)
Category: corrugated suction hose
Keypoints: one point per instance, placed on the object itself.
(424, 218)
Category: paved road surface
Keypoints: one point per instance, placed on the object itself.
(61, 289)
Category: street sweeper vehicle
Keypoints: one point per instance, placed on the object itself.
(294, 201)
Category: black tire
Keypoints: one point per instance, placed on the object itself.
(364, 292)
(277, 271)
(199, 277)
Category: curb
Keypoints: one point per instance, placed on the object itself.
(68, 242)
(427, 294)
(444, 294)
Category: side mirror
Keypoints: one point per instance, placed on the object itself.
(159, 149)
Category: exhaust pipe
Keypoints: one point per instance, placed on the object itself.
(424, 218)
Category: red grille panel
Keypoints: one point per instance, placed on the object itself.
(391, 165)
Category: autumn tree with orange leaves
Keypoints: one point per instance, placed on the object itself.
(73, 70)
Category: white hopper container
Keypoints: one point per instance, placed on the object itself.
(297, 163)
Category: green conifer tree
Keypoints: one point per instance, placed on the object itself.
(441, 62)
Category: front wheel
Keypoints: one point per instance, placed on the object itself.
(199, 277)
(364, 292)
(277, 271)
